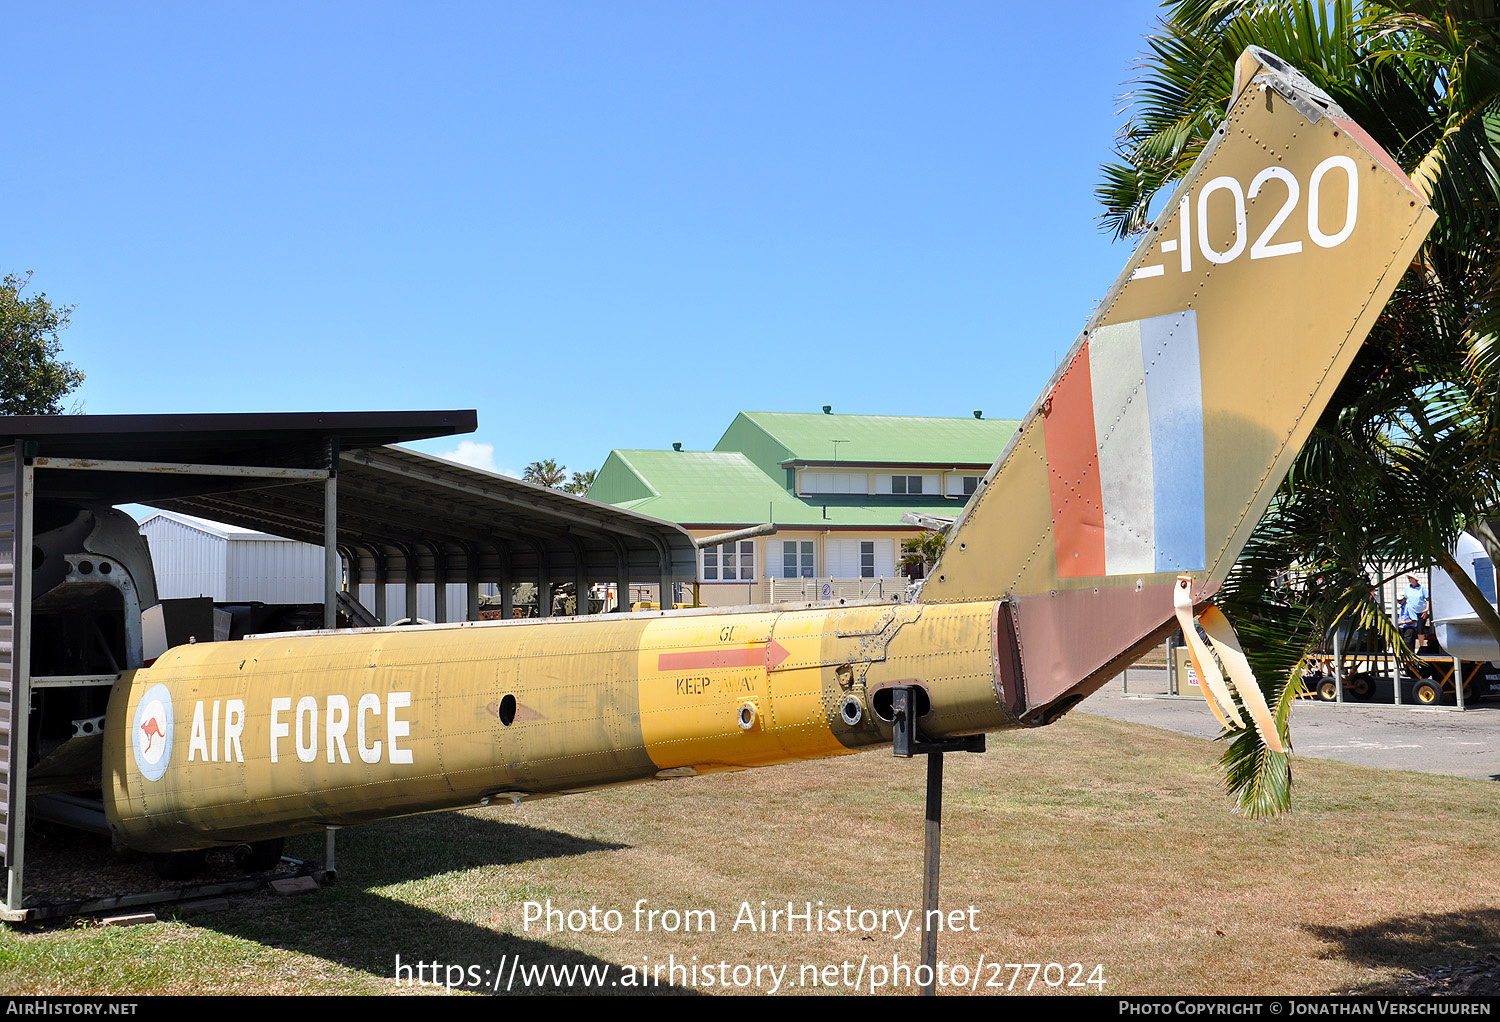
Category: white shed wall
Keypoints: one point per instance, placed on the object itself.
(189, 562)
(273, 571)
(193, 562)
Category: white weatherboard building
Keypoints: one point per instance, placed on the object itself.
(194, 557)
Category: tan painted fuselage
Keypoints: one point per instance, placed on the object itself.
(295, 732)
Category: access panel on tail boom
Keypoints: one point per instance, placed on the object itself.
(1149, 459)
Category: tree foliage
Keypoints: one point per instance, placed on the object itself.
(581, 482)
(550, 474)
(33, 378)
(1404, 455)
(922, 552)
(546, 473)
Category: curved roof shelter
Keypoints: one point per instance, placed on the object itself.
(395, 515)
(333, 479)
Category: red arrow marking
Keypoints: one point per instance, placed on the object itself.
(768, 656)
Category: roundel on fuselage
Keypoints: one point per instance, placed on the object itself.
(151, 733)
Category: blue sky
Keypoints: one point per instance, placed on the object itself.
(600, 225)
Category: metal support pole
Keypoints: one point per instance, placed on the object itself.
(330, 551)
(932, 841)
(1458, 681)
(471, 582)
(1338, 665)
(439, 584)
(907, 741)
(329, 865)
(507, 581)
(20, 678)
(380, 584)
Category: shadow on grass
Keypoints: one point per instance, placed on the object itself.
(1424, 943)
(421, 846)
(416, 947)
(356, 924)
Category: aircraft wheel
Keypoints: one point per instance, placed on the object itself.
(180, 865)
(1426, 693)
(1360, 686)
(259, 855)
(1328, 690)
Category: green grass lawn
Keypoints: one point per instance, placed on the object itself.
(1091, 842)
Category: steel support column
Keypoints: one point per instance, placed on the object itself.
(20, 677)
(543, 579)
(331, 550)
(413, 592)
(507, 579)
(439, 583)
(471, 580)
(377, 554)
(580, 577)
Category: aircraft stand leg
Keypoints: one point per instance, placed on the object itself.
(907, 741)
(330, 869)
(932, 841)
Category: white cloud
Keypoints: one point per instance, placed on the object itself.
(476, 455)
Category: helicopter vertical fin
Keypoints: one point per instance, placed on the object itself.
(1166, 430)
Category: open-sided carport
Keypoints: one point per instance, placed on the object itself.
(392, 515)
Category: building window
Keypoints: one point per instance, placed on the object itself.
(963, 485)
(729, 562)
(860, 558)
(833, 482)
(908, 484)
(797, 558)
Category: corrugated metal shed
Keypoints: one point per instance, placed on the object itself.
(194, 557)
(189, 559)
(409, 517)
(269, 569)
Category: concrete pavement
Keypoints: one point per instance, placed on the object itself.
(1436, 740)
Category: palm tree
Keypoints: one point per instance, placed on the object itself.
(922, 552)
(1404, 455)
(546, 473)
(581, 481)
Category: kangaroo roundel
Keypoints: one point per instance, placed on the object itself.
(153, 732)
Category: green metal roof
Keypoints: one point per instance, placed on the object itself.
(725, 488)
(772, 438)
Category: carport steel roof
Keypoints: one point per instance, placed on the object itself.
(401, 516)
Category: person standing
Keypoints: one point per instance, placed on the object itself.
(1411, 610)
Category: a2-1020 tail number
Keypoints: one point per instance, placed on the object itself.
(1265, 245)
